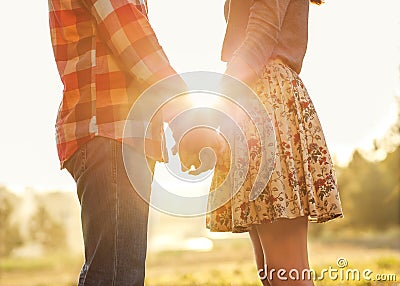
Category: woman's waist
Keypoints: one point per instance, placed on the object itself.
(294, 64)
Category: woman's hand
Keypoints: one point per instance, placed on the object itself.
(194, 149)
(240, 70)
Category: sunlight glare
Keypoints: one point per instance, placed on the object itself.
(201, 99)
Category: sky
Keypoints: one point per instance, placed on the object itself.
(351, 71)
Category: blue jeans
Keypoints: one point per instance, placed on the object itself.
(114, 217)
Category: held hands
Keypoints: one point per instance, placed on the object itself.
(200, 148)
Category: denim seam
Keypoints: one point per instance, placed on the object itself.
(84, 158)
(78, 172)
(85, 271)
(114, 170)
(114, 161)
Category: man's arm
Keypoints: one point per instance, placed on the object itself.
(128, 33)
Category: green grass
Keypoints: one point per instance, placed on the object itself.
(236, 266)
(54, 270)
(229, 263)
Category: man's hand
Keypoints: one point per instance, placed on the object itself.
(194, 149)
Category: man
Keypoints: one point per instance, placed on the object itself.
(106, 54)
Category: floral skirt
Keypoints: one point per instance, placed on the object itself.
(303, 181)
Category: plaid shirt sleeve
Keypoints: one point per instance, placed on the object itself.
(106, 54)
(128, 33)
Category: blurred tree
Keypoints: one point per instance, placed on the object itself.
(10, 236)
(46, 231)
(368, 194)
(391, 168)
(391, 140)
(370, 190)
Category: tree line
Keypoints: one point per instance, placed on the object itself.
(39, 228)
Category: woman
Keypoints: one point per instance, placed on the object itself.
(264, 46)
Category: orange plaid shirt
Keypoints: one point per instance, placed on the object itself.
(106, 53)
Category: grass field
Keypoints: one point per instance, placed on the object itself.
(229, 263)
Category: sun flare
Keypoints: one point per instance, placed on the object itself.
(202, 99)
